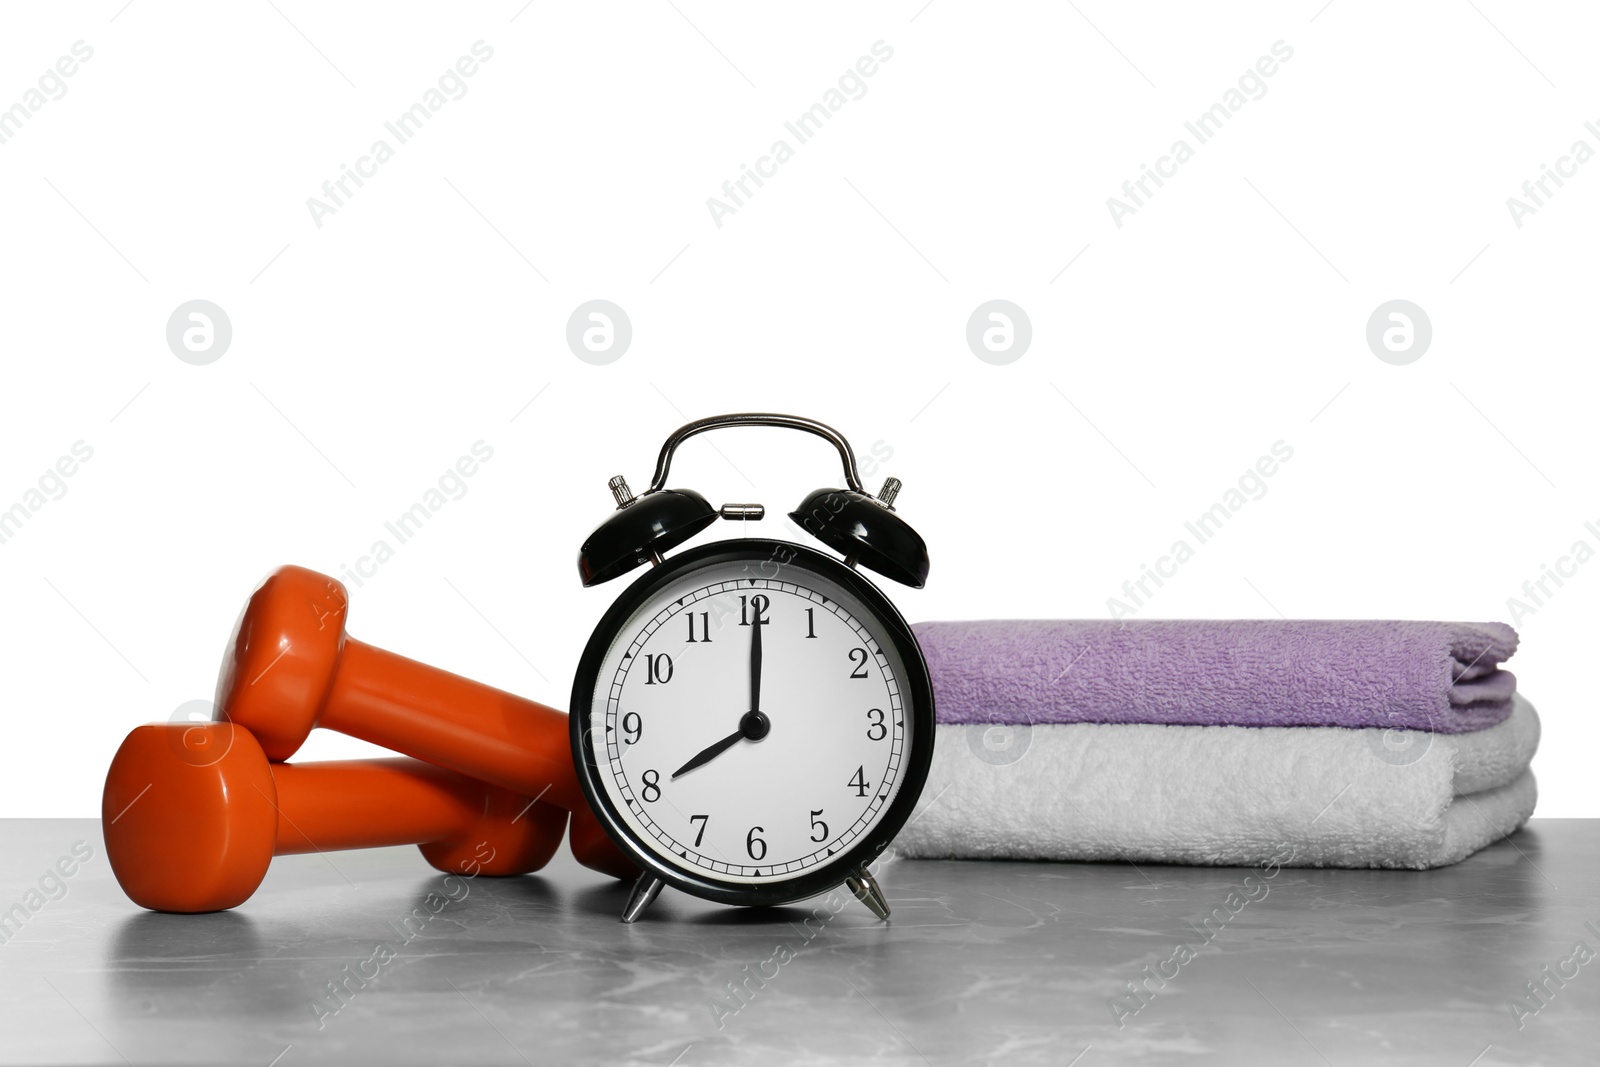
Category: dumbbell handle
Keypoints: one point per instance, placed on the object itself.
(333, 805)
(410, 707)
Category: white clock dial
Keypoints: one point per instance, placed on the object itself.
(741, 785)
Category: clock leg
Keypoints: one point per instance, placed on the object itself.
(645, 890)
(866, 889)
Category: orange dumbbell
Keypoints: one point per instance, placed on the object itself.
(194, 813)
(291, 668)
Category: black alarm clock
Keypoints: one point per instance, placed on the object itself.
(752, 720)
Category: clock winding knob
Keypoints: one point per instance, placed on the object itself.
(619, 489)
(890, 490)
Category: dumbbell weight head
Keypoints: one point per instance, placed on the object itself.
(511, 836)
(187, 831)
(282, 658)
(593, 847)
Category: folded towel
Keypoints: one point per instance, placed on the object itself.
(1224, 795)
(1435, 676)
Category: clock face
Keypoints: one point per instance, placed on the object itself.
(752, 722)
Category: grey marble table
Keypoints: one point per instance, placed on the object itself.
(371, 957)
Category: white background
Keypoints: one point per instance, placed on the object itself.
(429, 313)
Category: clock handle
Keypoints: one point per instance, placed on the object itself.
(790, 422)
(866, 889)
(645, 891)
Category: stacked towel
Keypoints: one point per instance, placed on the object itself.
(1351, 744)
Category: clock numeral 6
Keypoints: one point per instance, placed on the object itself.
(752, 843)
(632, 728)
(858, 656)
(819, 828)
(652, 785)
(859, 783)
(657, 668)
(876, 730)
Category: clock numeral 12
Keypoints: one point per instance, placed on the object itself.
(658, 668)
(760, 603)
(705, 628)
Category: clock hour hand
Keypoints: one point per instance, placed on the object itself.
(752, 727)
(706, 755)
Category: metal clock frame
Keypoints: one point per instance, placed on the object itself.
(844, 868)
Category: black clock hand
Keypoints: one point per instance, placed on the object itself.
(752, 727)
(755, 664)
(706, 755)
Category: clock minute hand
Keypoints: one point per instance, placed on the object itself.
(711, 752)
(755, 664)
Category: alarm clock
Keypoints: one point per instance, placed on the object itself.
(752, 720)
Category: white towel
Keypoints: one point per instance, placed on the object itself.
(1224, 795)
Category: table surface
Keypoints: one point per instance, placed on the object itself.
(982, 962)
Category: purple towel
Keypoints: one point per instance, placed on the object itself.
(1437, 676)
